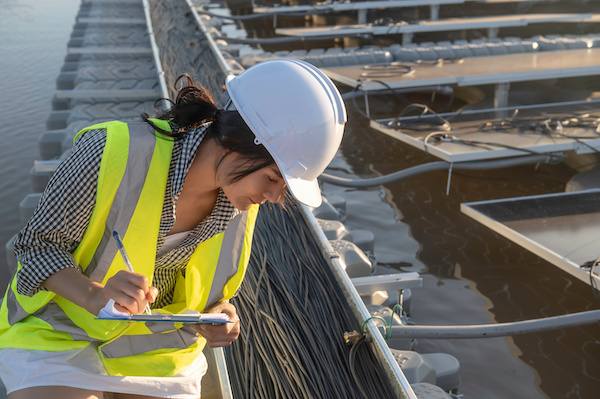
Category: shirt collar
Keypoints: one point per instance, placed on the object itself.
(186, 152)
(188, 146)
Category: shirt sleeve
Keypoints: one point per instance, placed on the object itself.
(45, 245)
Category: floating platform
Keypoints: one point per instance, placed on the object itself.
(562, 228)
(491, 24)
(481, 135)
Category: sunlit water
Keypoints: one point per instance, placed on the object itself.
(471, 275)
(33, 37)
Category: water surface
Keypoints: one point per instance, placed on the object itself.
(33, 38)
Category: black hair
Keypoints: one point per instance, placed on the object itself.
(195, 106)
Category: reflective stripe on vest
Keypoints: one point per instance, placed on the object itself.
(141, 147)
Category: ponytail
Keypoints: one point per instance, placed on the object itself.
(193, 106)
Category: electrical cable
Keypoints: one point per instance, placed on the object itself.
(591, 265)
(293, 316)
(360, 83)
(593, 281)
(478, 143)
(444, 125)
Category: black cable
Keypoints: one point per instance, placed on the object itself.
(357, 87)
(408, 105)
(293, 317)
(352, 363)
(546, 126)
(438, 120)
(591, 265)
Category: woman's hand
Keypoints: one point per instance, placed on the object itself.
(220, 334)
(131, 291)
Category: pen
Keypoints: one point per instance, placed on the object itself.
(127, 261)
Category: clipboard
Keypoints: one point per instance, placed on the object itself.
(213, 318)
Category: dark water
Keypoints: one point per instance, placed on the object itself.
(471, 275)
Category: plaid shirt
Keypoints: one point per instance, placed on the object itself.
(46, 243)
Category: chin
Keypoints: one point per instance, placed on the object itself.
(242, 205)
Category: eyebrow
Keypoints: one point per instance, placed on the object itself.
(276, 170)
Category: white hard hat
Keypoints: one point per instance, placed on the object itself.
(297, 113)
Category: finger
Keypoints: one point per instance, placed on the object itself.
(223, 307)
(121, 308)
(131, 291)
(152, 294)
(129, 298)
(131, 305)
(218, 335)
(136, 279)
(221, 341)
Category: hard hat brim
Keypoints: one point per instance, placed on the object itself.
(305, 191)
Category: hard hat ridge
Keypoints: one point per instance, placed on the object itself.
(297, 113)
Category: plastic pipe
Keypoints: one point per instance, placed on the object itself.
(429, 167)
(497, 330)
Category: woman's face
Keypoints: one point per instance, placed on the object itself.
(265, 184)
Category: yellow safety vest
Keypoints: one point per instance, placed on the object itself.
(133, 171)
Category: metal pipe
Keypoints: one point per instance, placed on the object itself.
(211, 42)
(284, 39)
(155, 56)
(497, 330)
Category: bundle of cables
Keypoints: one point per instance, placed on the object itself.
(293, 318)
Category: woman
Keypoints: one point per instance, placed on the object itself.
(183, 192)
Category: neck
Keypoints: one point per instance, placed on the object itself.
(202, 177)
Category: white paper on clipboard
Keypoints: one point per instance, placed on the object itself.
(109, 312)
(173, 318)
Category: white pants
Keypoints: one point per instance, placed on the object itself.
(82, 368)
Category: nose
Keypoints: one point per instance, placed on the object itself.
(274, 194)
